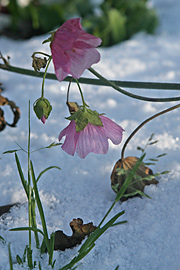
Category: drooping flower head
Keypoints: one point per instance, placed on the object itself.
(91, 138)
(73, 50)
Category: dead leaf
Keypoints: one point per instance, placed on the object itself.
(15, 110)
(38, 63)
(5, 208)
(80, 231)
(127, 165)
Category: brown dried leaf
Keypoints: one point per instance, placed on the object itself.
(5, 208)
(80, 231)
(2, 120)
(72, 106)
(14, 109)
(128, 164)
(38, 63)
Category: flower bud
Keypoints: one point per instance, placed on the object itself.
(42, 108)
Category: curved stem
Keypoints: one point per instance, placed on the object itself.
(67, 101)
(40, 53)
(83, 80)
(82, 97)
(142, 124)
(29, 177)
(112, 84)
(49, 60)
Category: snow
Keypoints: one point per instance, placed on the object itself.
(150, 239)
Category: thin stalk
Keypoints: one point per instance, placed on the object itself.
(67, 101)
(82, 80)
(82, 97)
(49, 61)
(142, 124)
(29, 178)
(113, 204)
(40, 53)
(112, 84)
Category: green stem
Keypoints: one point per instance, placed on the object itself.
(29, 179)
(142, 124)
(82, 97)
(112, 84)
(45, 72)
(82, 80)
(40, 53)
(113, 204)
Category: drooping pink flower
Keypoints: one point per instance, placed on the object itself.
(92, 138)
(73, 50)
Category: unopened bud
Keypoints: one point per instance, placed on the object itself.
(42, 108)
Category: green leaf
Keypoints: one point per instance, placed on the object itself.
(11, 151)
(45, 170)
(139, 148)
(127, 182)
(162, 155)
(165, 172)
(93, 118)
(2, 239)
(40, 208)
(10, 257)
(19, 260)
(153, 142)
(151, 137)
(26, 229)
(24, 182)
(52, 238)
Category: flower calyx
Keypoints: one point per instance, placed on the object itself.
(42, 109)
(84, 116)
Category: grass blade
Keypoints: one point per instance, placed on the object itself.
(24, 182)
(47, 169)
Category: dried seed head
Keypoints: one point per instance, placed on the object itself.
(38, 63)
(142, 177)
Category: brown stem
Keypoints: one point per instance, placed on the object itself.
(142, 124)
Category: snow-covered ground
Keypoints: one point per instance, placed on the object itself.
(151, 238)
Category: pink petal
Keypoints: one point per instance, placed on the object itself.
(82, 59)
(93, 41)
(112, 130)
(69, 145)
(43, 119)
(91, 139)
(73, 50)
(62, 63)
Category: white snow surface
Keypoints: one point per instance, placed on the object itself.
(151, 238)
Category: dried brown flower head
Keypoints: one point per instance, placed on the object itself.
(141, 178)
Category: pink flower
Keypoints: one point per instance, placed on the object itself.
(91, 139)
(73, 50)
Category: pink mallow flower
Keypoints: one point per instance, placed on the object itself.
(73, 50)
(92, 138)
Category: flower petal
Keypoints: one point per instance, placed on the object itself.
(62, 64)
(82, 59)
(112, 130)
(69, 145)
(73, 50)
(91, 139)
